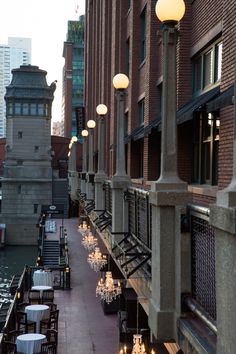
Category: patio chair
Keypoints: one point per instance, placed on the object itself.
(48, 348)
(51, 305)
(52, 336)
(34, 297)
(9, 348)
(48, 296)
(11, 335)
(23, 324)
(50, 323)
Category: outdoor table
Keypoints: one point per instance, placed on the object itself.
(41, 288)
(30, 343)
(37, 313)
(41, 277)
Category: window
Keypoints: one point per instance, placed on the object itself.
(33, 110)
(126, 122)
(41, 110)
(25, 109)
(206, 142)
(141, 112)
(20, 135)
(143, 35)
(207, 68)
(36, 148)
(19, 189)
(17, 108)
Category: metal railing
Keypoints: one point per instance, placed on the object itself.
(108, 196)
(139, 215)
(203, 259)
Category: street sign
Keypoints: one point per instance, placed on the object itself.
(53, 209)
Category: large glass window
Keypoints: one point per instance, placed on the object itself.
(207, 68)
(206, 142)
(141, 107)
(143, 35)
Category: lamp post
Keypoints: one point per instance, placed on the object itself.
(84, 134)
(120, 181)
(91, 124)
(73, 175)
(100, 175)
(168, 193)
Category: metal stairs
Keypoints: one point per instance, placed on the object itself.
(51, 253)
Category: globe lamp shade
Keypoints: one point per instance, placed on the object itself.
(170, 10)
(74, 139)
(120, 81)
(84, 132)
(91, 124)
(101, 109)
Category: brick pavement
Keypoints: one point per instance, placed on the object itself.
(83, 327)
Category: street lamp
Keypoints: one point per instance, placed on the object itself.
(84, 134)
(100, 176)
(120, 83)
(168, 193)
(120, 181)
(169, 12)
(91, 124)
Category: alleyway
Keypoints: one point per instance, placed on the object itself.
(83, 327)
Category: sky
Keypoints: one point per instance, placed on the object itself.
(45, 22)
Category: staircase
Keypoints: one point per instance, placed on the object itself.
(51, 253)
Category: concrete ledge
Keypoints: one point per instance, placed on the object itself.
(170, 198)
(223, 218)
(161, 323)
(120, 182)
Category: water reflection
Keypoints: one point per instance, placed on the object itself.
(12, 261)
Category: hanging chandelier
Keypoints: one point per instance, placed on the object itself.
(89, 241)
(138, 346)
(96, 260)
(83, 228)
(107, 289)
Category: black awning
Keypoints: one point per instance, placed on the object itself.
(197, 104)
(223, 100)
(139, 134)
(152, 125)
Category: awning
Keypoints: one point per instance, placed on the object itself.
(136, 134)
(185, 113)
(152, 125)
(223, 100)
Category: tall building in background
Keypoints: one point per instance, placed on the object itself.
(73, 79)
(12, 55)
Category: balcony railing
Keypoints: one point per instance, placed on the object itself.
(203, 260)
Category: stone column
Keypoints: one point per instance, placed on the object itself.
(100, 176)
(120, 181)
(167, 194)
(223, 219)
(90, 174)
(84, 167)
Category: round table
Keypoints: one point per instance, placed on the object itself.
(41, 277)
(41, 288)
(37, 313)
(30, 343)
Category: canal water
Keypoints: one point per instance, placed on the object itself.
(12, 261)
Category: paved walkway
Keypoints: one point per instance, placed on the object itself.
(83, 327)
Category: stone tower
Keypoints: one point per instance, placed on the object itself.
(27, 181)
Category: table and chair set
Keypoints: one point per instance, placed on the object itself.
(36, 329)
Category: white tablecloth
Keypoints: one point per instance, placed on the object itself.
(37, 313)
(43, 278)
(41, 288)
(30, 343)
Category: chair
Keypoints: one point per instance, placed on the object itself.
(48, 348)
(34, 297)
(22, 305)
(51, 305)
(52, 336)
(50, 323)
(11, 335)
(23, 324)
(9, 348)
(48, 296)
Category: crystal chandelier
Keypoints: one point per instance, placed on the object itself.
(89, 241)
(96, 260)
(83, 228)
(107, 290)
